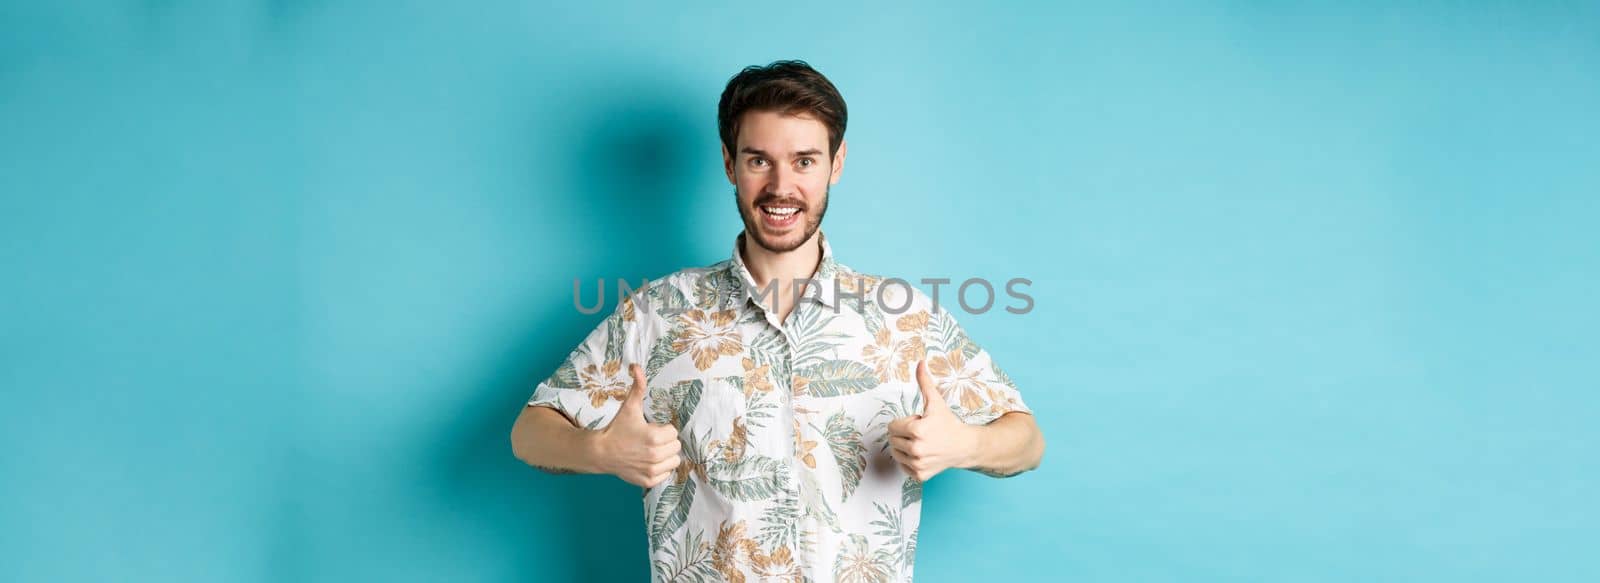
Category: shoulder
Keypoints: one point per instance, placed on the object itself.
(690, 287)
(892, 294)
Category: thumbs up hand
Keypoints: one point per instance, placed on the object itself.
(934, 441)
(631, 448)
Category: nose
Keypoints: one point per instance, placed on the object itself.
(782, 183)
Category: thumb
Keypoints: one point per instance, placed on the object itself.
(635, 399)
(933, 402)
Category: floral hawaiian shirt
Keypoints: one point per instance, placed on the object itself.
(786, 471)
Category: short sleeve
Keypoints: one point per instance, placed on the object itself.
(972, 383)
(591, 383)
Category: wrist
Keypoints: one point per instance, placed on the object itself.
(594, 448)
(972, 440)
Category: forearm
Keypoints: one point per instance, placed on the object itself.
(1007, 446)
(545, 439)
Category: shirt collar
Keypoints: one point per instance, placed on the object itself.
(821, 289)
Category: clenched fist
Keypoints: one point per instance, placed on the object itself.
(631, 448)
(934, 441)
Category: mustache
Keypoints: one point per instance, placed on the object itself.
(766, 200)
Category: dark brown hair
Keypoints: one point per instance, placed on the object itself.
(786, 87)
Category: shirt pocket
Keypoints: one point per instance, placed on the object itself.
(851, 434)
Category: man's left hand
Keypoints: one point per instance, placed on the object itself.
(934, 441)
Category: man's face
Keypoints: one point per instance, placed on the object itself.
(781, 172)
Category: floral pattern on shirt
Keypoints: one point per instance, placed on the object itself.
(786, 472)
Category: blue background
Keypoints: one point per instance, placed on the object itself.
(1315, 285)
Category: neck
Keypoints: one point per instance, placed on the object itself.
(766, 266)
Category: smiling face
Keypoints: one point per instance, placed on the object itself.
(781, 172)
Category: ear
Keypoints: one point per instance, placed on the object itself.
(727, 164)
(838, 162)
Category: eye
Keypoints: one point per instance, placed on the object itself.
(807, 162)
(758, 162)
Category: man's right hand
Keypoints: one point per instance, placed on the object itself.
(631, 448)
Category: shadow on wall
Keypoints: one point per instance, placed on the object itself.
(632, 173)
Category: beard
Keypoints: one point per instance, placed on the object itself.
(753, 227)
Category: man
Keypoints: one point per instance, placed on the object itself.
(781, 410)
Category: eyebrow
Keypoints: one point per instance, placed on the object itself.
(764, 154)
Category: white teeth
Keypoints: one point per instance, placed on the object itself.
(780, 211)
